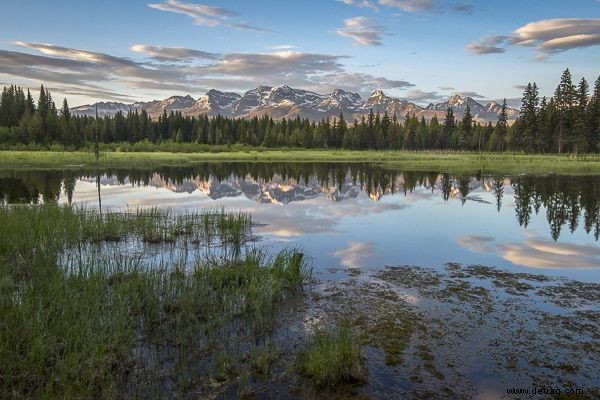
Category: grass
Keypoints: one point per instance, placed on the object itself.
(335, 357)
(422, 160)
(85, 316)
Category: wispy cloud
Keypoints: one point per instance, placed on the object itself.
(282, 47)
(467, 9)
(474, 95)
(548, 37)
(361, 3)
(205, 15)
(423, 97)
(200, 13)
(363, 31)
(412, 6)
(173, 53)
(488, 45)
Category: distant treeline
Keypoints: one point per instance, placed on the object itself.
(567, 122)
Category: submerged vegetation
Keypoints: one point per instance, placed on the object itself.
(109, 323)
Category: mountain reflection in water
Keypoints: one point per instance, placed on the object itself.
(360, 214)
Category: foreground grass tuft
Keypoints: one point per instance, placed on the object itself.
(335, 357)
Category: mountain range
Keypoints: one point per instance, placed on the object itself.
(285, 102)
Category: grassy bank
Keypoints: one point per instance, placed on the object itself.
(85, 315)
(441, 161)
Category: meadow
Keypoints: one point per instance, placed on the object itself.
(449, 161)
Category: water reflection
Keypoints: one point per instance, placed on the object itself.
(356, 214)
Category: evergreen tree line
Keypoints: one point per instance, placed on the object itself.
(567, 122)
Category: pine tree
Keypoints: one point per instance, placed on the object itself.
(65, 123)
(29, 104)
(501, 128)
(370, 130)
(565, 99)
(466, 129)
(580, 136)
(342, 131)
(526, 136)
(593, 118)
(449, 127)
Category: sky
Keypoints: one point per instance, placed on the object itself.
(420, 50)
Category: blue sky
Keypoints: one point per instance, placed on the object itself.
(421, 50)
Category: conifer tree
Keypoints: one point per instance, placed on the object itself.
(580, 136)
(449, 127)
(466, 129)
(565, 99)
(501, 128)
(593, 118)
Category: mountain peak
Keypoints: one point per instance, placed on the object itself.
(378, 94)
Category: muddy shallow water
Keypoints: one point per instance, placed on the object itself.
(458, 286)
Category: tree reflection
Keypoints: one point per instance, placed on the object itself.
(568, 201)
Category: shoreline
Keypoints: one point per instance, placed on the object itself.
(434, 160)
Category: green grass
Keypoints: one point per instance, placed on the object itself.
(433, 160)
(84, 317)
(334, 357)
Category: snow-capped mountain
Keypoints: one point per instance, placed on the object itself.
(488, 112)
(285, 102)
(380, 103)
(215, 102)
(104, 108)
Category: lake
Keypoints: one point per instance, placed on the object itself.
(462, 285)
(362, 215)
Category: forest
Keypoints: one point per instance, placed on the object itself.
(567, 122)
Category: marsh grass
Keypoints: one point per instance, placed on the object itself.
(106, 323)
(450, 161)
(334, 357)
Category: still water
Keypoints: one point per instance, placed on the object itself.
(362, 215)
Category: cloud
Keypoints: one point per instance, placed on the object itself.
(248, 27)
(282, 47)
(362, 31)
(522, 87)
(421, 96)
(463, 8)
(487, 45)
(173, 53)
(412, 6)
(200, 13)
(89, 73)
(447, 88)
(548, 37)
(204, 15)
(534, 252)
(265, 65)
(474, 95)
(361, 3)
(359, 82)
(355, 254)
